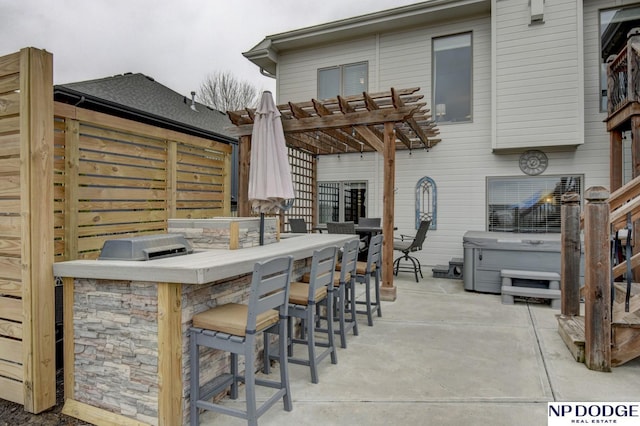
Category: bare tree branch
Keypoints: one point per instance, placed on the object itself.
(222, 91)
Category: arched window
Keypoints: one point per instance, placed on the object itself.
(426, 201)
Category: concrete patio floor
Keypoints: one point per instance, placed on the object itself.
(443, 356)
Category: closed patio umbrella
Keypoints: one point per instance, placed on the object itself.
(270, 184)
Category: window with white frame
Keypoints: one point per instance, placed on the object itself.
(528, 204)
(341, 201)
(343, 80)
(452, 76)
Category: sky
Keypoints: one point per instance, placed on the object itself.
(177, 42)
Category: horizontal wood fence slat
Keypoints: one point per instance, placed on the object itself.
(11, 370)
(9, 83)
(9, 247)
(10, 227)
(11, 390)
(11, 350)
(9, 102)
(10, 287)
(11, 309)
(10, 64)
(10, 329)
(10, 145)
(10, 268)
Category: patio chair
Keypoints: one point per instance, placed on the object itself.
(344, 280)
(303, 298)
(408, 244)
(370, 221)
(233, 327)
(346, 286)
(346, 228)
(373, 222)
(298, 226)
(372, 268)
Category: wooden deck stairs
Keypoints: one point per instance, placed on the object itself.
(625, 328)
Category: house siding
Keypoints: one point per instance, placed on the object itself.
(537, 76)
(461, 163)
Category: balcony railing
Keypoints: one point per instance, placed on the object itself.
(623, 75)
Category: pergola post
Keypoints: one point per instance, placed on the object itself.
(388, 291)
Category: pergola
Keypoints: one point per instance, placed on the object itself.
(372, 122)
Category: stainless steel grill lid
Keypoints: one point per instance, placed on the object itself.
(145, 247)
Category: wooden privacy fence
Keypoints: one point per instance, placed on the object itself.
(116, 178)
(71, 178)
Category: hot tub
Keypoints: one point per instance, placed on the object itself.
(486, 253)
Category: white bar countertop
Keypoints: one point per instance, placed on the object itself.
(200, 267)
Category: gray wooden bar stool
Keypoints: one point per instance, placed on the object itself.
(233, 327)
(344, 282)
(303, 298)
(364, 272)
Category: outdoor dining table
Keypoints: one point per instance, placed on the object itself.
(371, 230)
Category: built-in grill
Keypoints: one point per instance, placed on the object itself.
(145, 247)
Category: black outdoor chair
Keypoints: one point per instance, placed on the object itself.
(370, 221)
(407, 244)
(373, 222)
(298, 226)
(346, 228)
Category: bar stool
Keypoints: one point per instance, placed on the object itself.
(303, 298)
(364, 271)
(233, 327)
(344, 281)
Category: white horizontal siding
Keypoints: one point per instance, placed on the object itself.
(538, 85)
(298, 70)
(461, 163)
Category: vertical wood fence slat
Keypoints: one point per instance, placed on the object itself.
(71, 186)
(172, 180)
(597, 281)
(570, 261)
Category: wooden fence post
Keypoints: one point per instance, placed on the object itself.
(570, 260)
(36, 197)
(597, 322)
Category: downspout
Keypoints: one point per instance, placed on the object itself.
(267, 73)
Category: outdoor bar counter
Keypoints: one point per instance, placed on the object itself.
(126, 352)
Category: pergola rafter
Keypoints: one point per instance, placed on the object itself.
(371, 122)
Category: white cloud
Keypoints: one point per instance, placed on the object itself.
(177, 43)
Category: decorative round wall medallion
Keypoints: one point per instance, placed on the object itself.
(533, 162)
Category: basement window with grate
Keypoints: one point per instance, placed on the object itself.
(528, 204)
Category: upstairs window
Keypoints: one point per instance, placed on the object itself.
(452, 75)
(343, 80)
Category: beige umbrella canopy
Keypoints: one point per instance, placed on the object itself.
(270, 183)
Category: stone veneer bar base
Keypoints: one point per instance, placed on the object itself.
(117, 353)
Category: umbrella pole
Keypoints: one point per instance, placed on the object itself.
(261, 229)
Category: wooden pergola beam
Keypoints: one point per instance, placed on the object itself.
(335, 121)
